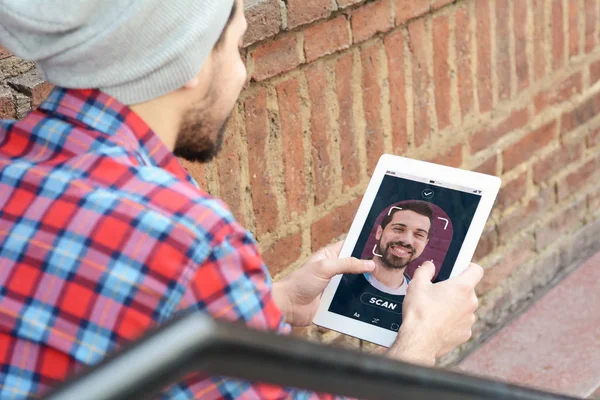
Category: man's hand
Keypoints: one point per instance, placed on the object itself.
(436, 317)
(298, 294)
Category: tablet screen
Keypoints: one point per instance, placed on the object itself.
(412, 220)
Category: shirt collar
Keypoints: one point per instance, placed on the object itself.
(102, 113)
(381, 287)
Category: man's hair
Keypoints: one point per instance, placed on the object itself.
(231, 16)
(420, 207)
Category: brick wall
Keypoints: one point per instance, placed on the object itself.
(505, 87)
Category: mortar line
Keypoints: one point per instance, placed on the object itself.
(385, 114)
(493, 56)
(455, 108)
(512, 52)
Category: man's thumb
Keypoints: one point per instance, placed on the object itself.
(424, 274)
(332, 267)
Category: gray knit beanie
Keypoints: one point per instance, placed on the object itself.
(134, 50)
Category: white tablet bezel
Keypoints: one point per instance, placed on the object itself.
(445, 176)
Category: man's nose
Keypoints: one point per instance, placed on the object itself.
(407, 238)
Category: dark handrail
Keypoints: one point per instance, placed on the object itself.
(194, 342)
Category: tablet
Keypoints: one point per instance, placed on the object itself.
(413, 211)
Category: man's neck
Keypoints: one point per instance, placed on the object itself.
(390, 277)
(162, 118)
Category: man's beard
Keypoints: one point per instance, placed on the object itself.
(393, 261)
(194, 141)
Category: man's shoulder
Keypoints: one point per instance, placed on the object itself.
(103, 190)
(157, 200)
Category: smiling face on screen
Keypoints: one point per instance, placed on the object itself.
(403, 237)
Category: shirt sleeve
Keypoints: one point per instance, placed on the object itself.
(234, 284)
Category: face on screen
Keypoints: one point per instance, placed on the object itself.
(409, 223)
(402, 238)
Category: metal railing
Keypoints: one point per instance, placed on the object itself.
(196, 343)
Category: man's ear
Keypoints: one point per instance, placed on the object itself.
(378, 233)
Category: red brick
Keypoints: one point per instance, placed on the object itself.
(394, 47)
(522, 217)
(283, 253)
(264, 20)
(197, 170)
(229, 168)
(558, 36)
(531, 143)
(593, 138)
(275, 57)
(503, 67)
(441, 70)
(372, 105)
(574, 7)
(326, 38)
(578, 179)
(292, 136)
(451, 158)
(503, 269)
(488, 136)
(348, 145)
(4, 53)
(464, 36)
(594, 72)
(590, 25)
(521, 37)
(407, 10)
(560, 92)
(323, 171)
(440, 3)
(346, 3)
(539, 38)
(261, 185)
(488, 242)
(489, 166)
(582, 114)
(32, 84)
(512, 191)
(371, 19)
(484, 55)
(557, 228)
(302, 12)
(7, 106)
(421, 81)
(556, 161)
(333, 225)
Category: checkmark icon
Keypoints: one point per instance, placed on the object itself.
(427, 193)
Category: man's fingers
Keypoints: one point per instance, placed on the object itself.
(332, 267)
(424, 274)
(330, 251)
(336, 247)
(472, 275)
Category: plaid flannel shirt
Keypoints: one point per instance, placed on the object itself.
(103, 235)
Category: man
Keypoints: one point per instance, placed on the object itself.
(104, 235)
(402, 237)
(377, 297)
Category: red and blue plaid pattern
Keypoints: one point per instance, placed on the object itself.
(103, 235)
